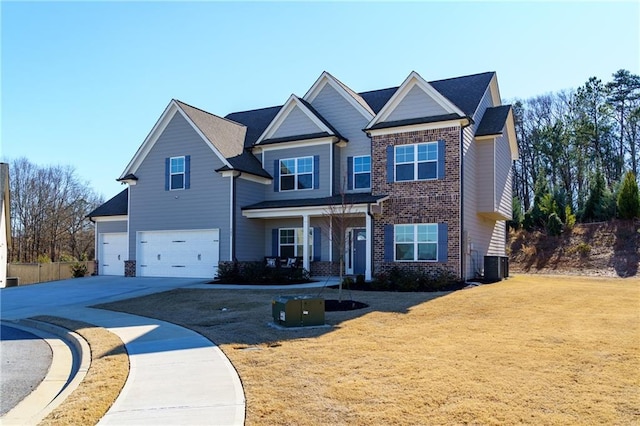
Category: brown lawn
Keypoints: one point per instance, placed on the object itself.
(106, 376)
(533, 349)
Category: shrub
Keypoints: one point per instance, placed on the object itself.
(397, 279)
(583, 248)
(43, 258)
(554, 225)
(628, 198)
(570, 218)
(78, 269)
(259, 273)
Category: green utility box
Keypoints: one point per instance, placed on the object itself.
(298, 311)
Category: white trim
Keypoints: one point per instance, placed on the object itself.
(326, 78)
(294, 144)
(284, 112)
(183, 173)
(330, 169)
(412, 80)
(418, 127)
(110, 218)
(289, 212)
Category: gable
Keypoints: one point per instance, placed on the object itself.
(416, 103)
(296, 123)
(406, 105)
(328, 82)
(297, 119)
(231, 135)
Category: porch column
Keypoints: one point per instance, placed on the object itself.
(305, 242)
(368, 265)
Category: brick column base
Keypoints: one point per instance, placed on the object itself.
(129, 268)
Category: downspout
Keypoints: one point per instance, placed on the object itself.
(463, 259)
(232, 235)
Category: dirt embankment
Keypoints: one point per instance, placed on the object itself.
(604, 249)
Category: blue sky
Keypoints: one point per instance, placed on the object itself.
(84, 82)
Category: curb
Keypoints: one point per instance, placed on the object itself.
(71, 358)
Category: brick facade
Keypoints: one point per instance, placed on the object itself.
(431, 201)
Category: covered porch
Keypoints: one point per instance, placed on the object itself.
(321, 229)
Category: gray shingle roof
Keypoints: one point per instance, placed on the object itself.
(362, 198)
(410, 121)
(227, 136)
(493, 121)
(116, 206)
(246, 162)
(255, 120)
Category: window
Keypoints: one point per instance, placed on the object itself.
(416, 242)
(362, 172)
(296, 174)
(291, 242)
(177, 173)
(416, 162)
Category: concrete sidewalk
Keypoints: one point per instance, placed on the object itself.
(176, 375)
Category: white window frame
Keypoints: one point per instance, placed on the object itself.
(433, 229)
(295, 174)
(298, 241)
(355, 172)
(416, 162)
(172, 173)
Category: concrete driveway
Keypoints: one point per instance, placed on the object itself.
(176, 375)
(55, 297)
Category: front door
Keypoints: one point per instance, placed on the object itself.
(359, 251)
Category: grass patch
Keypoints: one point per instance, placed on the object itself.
(533, 349)
(105, 378)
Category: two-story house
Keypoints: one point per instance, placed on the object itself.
(425, 169)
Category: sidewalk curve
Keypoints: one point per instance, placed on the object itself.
(176, 375)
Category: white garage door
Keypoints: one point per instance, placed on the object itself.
(113, 251)
(192, 254)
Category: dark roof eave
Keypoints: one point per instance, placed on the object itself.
(419, 120)
(226, 168)
(300, 138)
(130, 176)
(353, 199)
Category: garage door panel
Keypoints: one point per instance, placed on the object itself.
(113, 251)
(179, 253)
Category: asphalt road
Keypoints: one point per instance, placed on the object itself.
(25, 360)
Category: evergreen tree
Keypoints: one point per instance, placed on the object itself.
(628, 198)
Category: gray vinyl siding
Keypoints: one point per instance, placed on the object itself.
(249, 232)
(485, 175)
(204, 206)
(416, 104)
(322, 150)
(497, 244)
(111, 227)
(504, 176)
(296, 123)
(349, 122)
(480, 232)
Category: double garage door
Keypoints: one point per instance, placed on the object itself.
(189, 254)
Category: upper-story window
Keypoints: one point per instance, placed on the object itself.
(296, 174)
(416, 162)
(177, 173)
(362, 172)
(416, 242)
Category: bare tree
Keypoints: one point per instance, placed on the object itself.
(337, 220)
(48, 209)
